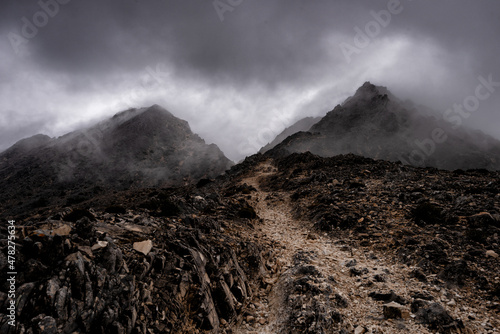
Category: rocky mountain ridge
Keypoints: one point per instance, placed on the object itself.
(303, 124)
(136, 148)
(374, 123)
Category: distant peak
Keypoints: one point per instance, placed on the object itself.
(32, 142)
(159, 109)
(367, 89)
(135, 111)
(369, 92)
(156, 107)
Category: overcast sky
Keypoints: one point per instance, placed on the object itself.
(238, 71)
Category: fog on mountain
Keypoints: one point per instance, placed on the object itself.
(136, 225)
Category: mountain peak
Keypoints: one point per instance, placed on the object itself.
(367, 85)
(368, 91)
(376, 124)
(158, 109)
(136, 148)
(133, 112)
(27, 144)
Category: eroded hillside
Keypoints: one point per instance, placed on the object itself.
(301, 244)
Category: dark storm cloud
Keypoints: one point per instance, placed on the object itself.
(260, 40)
(266, 64)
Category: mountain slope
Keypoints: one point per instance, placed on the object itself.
(134, 149)
(375, 124)
(300, 244)
(303, 124)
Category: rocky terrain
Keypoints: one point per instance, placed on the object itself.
(376, 124)
(295, 244)
(136, 226)
(136, 148)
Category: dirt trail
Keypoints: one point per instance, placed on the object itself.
(336, 262)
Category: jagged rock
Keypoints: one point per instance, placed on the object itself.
(46, 325)
(394, 310)
(360, 330)
(490, 253)
(418, 274)
(380, 278)
(100, 244)
(422, 295)
(340, 301)
(456, 272)
(84, 227)
(351, 263)
(111, 257)
(209, 318)
(437, 318)
(53, 285)
(358, 272)
(143, 247)
(390, 296)
(23, 296)
(60, 303)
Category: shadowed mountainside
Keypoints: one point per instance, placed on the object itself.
(303, 124)
(375, 124)
(136, 148)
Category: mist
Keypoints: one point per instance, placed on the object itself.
(239, 72)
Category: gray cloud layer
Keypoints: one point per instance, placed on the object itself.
(241, 80)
